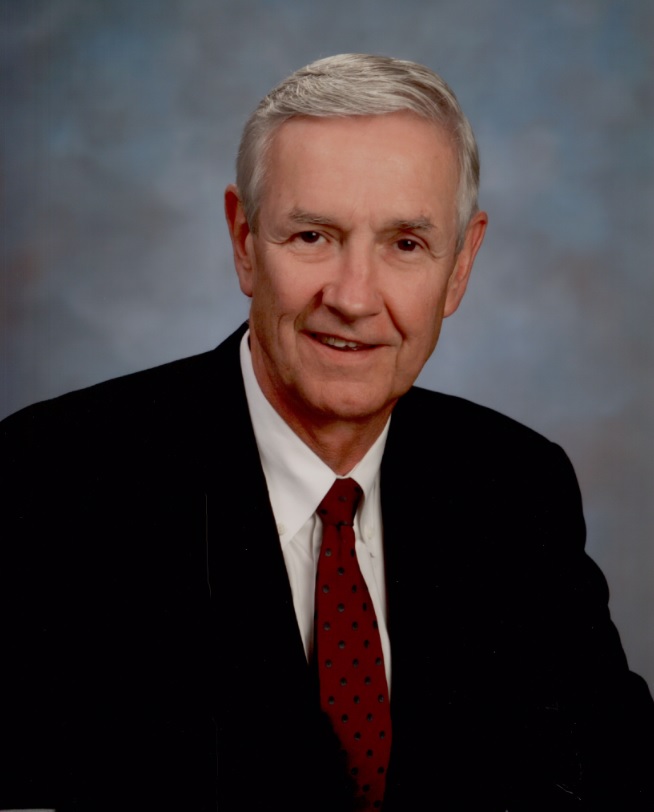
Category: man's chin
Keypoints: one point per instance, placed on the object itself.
(348, 405)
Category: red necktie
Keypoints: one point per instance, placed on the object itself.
(353, 689)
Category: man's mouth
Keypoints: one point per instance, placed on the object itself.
(339, 343)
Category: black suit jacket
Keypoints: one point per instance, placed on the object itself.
(152, 656)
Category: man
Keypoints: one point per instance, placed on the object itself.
(278, 576)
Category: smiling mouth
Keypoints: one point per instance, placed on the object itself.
(340, 343)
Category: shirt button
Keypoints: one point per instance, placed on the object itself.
(368, 533)
(281, 528)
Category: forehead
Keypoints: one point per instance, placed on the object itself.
(385, 159)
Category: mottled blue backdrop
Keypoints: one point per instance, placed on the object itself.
(120, 121)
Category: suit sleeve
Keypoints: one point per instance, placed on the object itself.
(605, 710)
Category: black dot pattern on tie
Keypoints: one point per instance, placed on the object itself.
(353, 689)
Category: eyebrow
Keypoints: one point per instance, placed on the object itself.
(309, 218)
(419, 224)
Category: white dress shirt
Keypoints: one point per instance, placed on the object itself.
(298, 480)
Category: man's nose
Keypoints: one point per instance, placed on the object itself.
(353, 289)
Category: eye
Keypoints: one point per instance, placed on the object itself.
(406, 244)
(309, 237)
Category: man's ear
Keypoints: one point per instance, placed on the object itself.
(241, 236)
(458, 280)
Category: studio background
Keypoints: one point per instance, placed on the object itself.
(120, 123)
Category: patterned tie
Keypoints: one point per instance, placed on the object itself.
(353, 690)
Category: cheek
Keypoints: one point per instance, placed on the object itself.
(419, 316)
(291, 295)
(268, 294)
(279, 307)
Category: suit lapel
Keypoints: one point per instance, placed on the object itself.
(246, 568)
(266, 710)
(444, 602)
(420, 508)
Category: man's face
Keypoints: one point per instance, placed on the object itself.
(352, 267)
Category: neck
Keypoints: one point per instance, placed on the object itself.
(339, 444)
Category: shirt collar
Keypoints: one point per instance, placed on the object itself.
(297, 478)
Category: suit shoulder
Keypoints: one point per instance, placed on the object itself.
(159, 395)
(449, 417)
(106, 401)
(148, 422)
(476, 444)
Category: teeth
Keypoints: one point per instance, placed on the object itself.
(338, 342)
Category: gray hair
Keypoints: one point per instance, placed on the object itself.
(358, 85)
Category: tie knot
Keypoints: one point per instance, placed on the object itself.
(341, 502)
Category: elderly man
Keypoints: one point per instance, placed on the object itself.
(278, 576)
